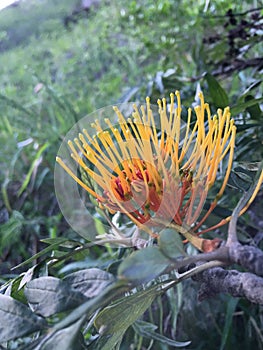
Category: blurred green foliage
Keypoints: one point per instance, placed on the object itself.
(53, 74)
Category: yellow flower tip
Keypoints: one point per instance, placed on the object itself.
(134, 106)
(148, 99)
(197, 109)
(164, 101)
(201, 96)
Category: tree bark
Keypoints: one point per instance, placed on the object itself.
(238, 284)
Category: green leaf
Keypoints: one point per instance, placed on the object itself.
(57, 240)
(243, 127)
(34, 165)
(254, 110)
(17, 319)
(41, 253)
(14, 104)
(147, 330)
(69, 338)
(50, 295)
(113, 321)
(90, 282)
(241, 178)
(89, 307)
(15, 291)
(143, 265)
(170, 243)
(65, 243)
(108, 342)
(217, 93)
(253, 86)
(11, 230)
(231, 306)
(241, 107)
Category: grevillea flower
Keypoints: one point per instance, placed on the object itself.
(157, 170)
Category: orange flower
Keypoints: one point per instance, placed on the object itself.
(157, 171)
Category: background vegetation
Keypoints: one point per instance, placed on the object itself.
(59, 63)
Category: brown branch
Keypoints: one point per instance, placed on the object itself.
(237, 65)
(249, 257)
(238, 284)
(236, 14)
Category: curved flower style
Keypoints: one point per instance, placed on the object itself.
(157, 175)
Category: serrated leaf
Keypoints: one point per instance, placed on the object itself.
(217, 93)
(147, 330)
(50, 295)
(143, 265)
(170, 243)
(89, 282)
(113, 321)
(17, 319)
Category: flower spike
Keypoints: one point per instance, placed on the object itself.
(157, 176)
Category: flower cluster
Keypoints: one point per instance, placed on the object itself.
(157, 170)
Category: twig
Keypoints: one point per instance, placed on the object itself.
(237, 14)
(221, 254)
(194, 271)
